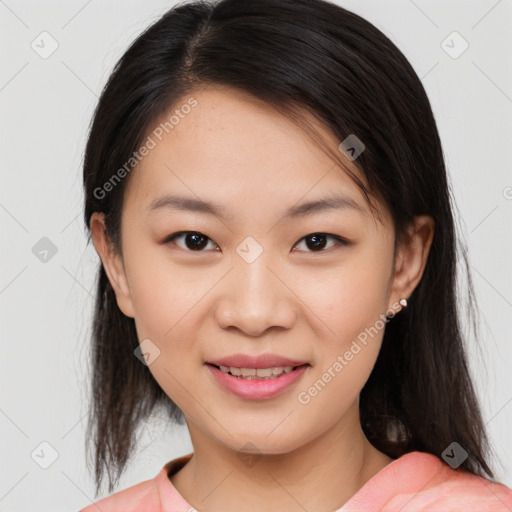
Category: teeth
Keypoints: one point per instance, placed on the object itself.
(257, 373)
(265, 372)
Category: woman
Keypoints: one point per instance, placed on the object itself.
(265, 187)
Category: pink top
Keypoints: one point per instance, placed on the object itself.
(415, 482)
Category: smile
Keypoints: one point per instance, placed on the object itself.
(257, 373)
(256, 383)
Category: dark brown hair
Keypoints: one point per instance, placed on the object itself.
(297, 56)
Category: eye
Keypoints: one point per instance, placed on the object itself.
(316, 241)
(196, 241)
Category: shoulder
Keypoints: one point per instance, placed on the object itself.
(152, 495)
(454, 490)
(142, 496)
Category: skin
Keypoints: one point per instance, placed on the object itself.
(292, 300)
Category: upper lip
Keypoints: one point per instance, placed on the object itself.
(261, 361)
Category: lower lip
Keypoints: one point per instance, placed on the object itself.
(256, 389)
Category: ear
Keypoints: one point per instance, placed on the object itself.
(112, 263)
(411, 258)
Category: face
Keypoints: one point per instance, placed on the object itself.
(261, 276)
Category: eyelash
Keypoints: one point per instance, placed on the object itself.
(171, 238)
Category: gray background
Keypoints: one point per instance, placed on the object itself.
(46, 105)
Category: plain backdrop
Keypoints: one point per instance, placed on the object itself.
(46, 105)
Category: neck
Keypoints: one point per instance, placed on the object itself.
(339, 462)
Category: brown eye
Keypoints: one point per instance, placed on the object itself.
(316, 242)
(193, 240)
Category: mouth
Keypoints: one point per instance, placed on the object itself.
(257, 383)
(270, 373)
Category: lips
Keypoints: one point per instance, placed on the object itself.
(235, 374)
(261, 361)
(257, 389)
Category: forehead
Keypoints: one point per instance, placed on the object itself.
(229, 144)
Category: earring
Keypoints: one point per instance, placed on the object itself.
(403, 302)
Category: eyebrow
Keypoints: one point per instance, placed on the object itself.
(182, 203)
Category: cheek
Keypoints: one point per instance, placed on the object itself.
(354, 312)
(352, 304)
(162, 295)
(167, 312)
(348, 298)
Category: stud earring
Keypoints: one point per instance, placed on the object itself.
(403, 302)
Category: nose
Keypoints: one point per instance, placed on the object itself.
(255, 297)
